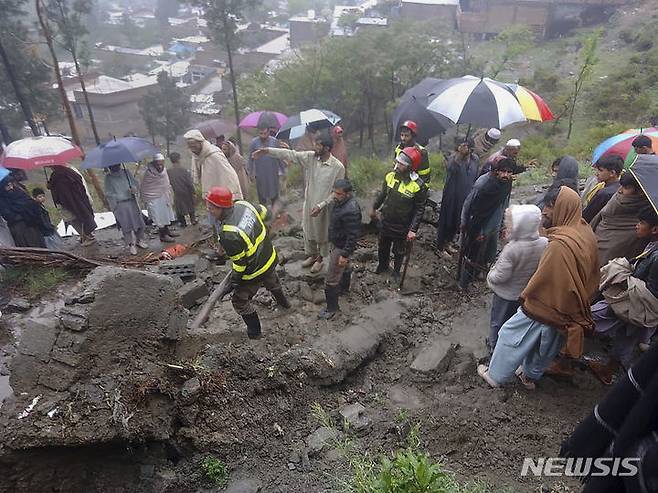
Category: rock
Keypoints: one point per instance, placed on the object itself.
(365, 254)
(320, 440)
(38, 337)
(434, 357)
(244, 486)
(18, 305)
(191, 389)
(354, 416)
(177, 322)
(57, 376)
(74, 317)
(382, 295)
(202, 264)
(67, 348)
(192, 292)
(405, 397)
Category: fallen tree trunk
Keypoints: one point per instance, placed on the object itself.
(60, 258)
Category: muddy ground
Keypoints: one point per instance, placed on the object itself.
(408, 358)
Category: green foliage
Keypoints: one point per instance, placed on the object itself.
(164, 109)
(215, 471)
(367, 174)
(34, 282)
(513, 42)
(588, 58)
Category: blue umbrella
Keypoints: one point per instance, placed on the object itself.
(117, 151)
(4, 173)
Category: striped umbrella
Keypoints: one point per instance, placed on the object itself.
(622, 144)
(37, 152)
(477, 101)
(534, 107)
(315, 119)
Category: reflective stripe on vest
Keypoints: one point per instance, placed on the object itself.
(425, 171)
(407, 189)
(263, 269)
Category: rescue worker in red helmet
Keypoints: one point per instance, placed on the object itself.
(401, 203)
(408, 132)
(245, 239)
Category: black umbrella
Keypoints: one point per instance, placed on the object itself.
(413, 106)
(645, 171)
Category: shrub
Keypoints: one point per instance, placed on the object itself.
(34, 281)
(215, 471)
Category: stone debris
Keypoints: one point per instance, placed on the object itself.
(320, 440)
(354, 417)
(18, 305)
(434, 357)
(192, 292)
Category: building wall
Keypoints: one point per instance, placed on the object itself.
(423, 12)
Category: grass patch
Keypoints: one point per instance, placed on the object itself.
(33, 282)
(215, 471)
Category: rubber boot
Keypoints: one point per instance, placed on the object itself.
(280, 298)
(397, 267)
(331, 295)
(164, 237)
(383, 261)
(170, 233)
(345, 281)
(181, 221)
(193, 219)
(253, 325)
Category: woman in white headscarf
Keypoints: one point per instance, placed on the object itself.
(156, 194)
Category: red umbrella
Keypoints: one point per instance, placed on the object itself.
(37, 152)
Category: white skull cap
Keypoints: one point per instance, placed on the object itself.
(513, 143)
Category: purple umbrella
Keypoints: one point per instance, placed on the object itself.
(259, 119)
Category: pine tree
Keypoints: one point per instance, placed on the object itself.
(165, 110)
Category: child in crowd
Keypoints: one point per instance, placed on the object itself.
(51, 238)
(608, 170)
(515, 266)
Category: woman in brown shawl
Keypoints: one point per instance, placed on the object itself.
(614, 226)
(555, 305)
(238, 163)
(70, 193)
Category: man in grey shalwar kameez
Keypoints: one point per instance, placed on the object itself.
(322, 170)
(156, 194)
(120, 191)
(265, 169)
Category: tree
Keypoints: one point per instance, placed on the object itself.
(515, 41)
(588, 59)
(165, 109)
(223, 17)
(70, 21)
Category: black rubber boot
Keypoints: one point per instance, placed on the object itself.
(331, 295)
(253, 325)
(345, 281)
(384, 256)
(170, 233)
(280, 298)
(397, 266)
(164, 237)
(181, 221)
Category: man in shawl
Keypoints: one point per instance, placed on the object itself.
(121, 191)
(264, 168)
(238, 163)
(629, 311)
(183, 187)
(565, 173)
(70, 192)
(481, 219)
(614, 226)
(339, 150)
(210, 168)
(608, 171)
(322, 170)
(555, 305)
(156, 195)
(23, 215)
(462, 171)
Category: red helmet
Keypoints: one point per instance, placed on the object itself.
(411, 125)
(220, 197)
(414, 156)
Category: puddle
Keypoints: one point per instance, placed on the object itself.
(5, 388)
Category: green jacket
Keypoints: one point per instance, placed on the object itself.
(243, 235)
(424, 170)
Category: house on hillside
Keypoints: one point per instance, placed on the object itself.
(307, 29)
(425, 10)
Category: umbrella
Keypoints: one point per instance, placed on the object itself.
(314, 119)
(36, 152)
(211, 129)
(259, 119)
(645, 170)
(4, 173)
(533, 106)
(622, 144)
(117, 151)
(477, 101)
(413, 106)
